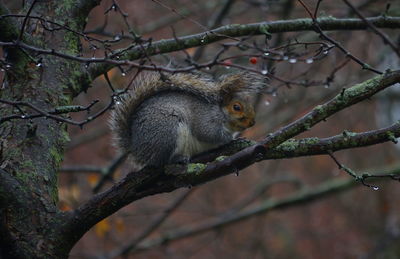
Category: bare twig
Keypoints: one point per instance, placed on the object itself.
(384, 37)
(21, 32)
(226, 6)
(323, 35)
(109, 171)
(41, 113)
(300, 197)
(131, 245)
(87, 136)
(363, 177)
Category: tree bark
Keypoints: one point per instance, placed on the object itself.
(33, 150)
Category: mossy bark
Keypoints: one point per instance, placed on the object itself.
(30, 222)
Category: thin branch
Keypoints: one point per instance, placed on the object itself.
(259, 190)
(161, 22)
(363, 177)
(21, 32)
(117, 8)
(181, 15)
(91, 135)
(305, 195)
(131, 245)
(346, 98)
(384, 37)
(216, 21)
(56, 26)
(47, 114)
(108, 172)
(323, 35)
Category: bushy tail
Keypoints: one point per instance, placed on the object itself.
(150, 84)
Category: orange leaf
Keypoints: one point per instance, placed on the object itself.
(120, 225)
(64, 206)
(93, 179)
(102, 228)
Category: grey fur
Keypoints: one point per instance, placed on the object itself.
(155, 128)
(169, 119)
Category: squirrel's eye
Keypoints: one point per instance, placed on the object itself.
(237, 107)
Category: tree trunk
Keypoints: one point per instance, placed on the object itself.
(33, 150)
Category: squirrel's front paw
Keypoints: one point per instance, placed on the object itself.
(180, 159)
(178, 165)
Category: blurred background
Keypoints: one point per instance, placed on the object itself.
(307, 71)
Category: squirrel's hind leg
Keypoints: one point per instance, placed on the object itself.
(154, 143)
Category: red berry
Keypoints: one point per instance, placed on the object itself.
(253, 60)
(227, 63)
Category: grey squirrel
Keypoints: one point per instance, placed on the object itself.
(169, 118)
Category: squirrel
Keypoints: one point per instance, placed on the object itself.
(167, 119)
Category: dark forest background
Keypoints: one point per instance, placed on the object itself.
(276, 208)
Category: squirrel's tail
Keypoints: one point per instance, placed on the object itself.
(153, 83)
(147, 85)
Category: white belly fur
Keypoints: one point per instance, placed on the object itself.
(187, 144)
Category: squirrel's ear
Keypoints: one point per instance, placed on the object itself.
(231, 83)
(240, 83)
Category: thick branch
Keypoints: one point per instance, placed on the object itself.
(344, 99)
(149, 182)
(315, 146)
(238, 30)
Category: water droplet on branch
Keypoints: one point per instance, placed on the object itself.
(309, 60)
